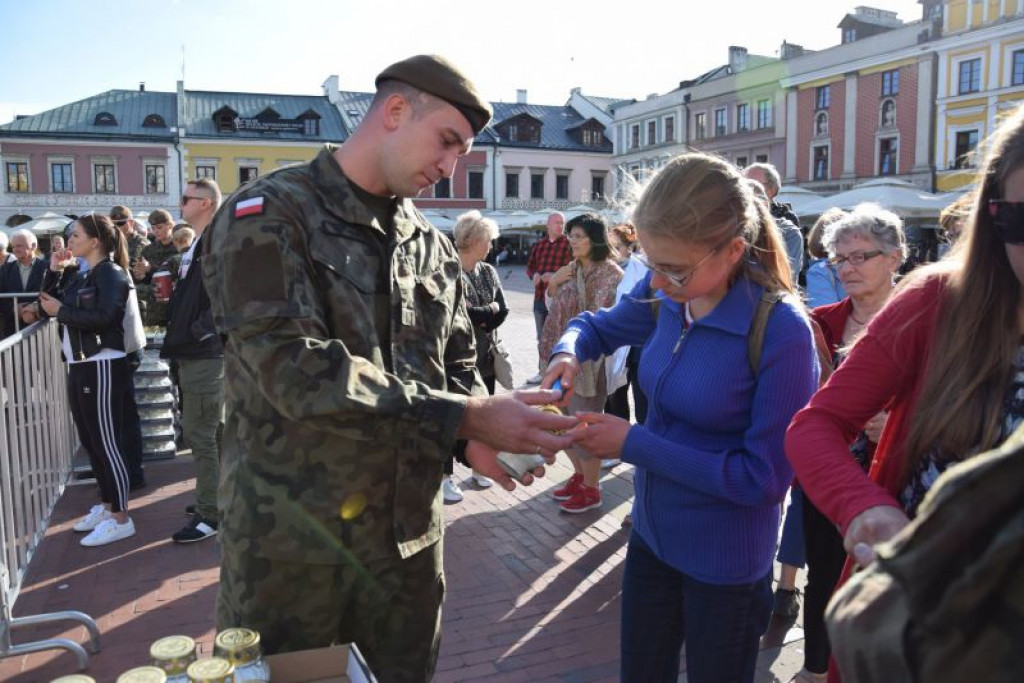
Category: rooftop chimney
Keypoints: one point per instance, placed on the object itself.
(521, 96)
(790, 50)
(142, 86)
(737, 58)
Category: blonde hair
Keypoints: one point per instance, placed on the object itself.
(471, 228)
(182, 237)
(975, 343)
(704, 199)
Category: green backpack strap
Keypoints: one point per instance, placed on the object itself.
(755, 338)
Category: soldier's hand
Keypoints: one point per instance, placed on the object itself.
(510, 422)
(483, 459)
(140, 268)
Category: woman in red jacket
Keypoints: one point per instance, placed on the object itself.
(865, 248)
(945, 356)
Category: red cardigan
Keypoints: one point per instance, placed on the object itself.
(884, 371)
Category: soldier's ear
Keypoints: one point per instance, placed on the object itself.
(395, 110)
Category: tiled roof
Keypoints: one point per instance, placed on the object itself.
(556, 122)
(200, 106)
(128, 107)
(354, 106)
(606, 104)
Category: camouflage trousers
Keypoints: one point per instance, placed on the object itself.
(391, 609)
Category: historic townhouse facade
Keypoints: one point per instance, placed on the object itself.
(114, 148)
(861, 110)
(980, 78)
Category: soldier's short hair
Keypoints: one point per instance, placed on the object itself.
(159, 216)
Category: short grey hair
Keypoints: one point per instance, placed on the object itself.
(771, 176)
(872, 222)
(471, 227)
(28, 235)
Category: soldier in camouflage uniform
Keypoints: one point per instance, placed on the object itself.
(135, 239)
(350, 367)
(153, 256)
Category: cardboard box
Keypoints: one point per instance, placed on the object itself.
(338, 664)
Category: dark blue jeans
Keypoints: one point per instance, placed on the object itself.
(662, 608)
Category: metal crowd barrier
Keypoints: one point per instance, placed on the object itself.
(37, 441)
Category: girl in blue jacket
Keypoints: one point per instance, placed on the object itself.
(711, 470)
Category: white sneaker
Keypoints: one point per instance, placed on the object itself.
(482, 481)
(451, 490)
(608, 464)
(536, 379)
(109, 531)
(97, 513)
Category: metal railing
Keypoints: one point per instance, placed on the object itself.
(37, 441)
(13, 320)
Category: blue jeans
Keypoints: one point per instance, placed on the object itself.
(658, 603)
(792, 550)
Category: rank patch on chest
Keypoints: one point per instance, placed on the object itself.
(249, 207)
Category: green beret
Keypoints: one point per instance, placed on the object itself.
(437, 76)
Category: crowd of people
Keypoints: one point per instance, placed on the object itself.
(331, 395)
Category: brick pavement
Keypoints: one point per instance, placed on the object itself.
(533, 594)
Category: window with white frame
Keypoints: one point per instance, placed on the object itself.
(761, 158)
(890, 83)
(443, 188)
(634, 136)
(104, 177)
(16, 174)
(206, 171)
(822, 97)
(156, 178)
(742, 117)
(741, 162)
(970, 76)
(62, 176)
(247, 172)
(700, 126)
(512, 183)
(966, 143)
(720, 123)
(764, 114)
(476, 184)
(652, 132)
(597, 186)
(562, 186)
(819, 167)
(887, 156)
(670, 128)
(1017, 75)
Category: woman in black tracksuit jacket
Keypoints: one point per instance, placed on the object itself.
(90, 307)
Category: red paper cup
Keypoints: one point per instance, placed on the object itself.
(162, 285)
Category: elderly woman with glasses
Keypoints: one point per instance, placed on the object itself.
(866, 248)
(588, 283)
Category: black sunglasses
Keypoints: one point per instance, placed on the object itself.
(1007, 219)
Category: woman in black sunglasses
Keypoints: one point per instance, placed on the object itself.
(945, 356)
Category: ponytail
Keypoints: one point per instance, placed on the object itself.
(767, 251)
(119, 250)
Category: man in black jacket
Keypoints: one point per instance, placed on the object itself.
(23, 274)
(193, 345)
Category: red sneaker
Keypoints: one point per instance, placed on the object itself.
(570, 488)
(586, 498)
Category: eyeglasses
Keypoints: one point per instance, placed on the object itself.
(1008, 220)
(678, 280)
(855, 259)
(186, 198)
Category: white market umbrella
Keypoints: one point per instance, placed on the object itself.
(796, 197)
(902, 198)
(47, 224)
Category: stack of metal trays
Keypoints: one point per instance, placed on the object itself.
(156, 399)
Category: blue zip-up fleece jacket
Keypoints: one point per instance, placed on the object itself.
(711, 469)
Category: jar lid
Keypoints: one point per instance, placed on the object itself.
(212, 670)
(74, 678)
(143, 674)
(172, 647)
(237, 645)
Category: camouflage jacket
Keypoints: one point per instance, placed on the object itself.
(136, 243)
(154, 313)
(334, 446)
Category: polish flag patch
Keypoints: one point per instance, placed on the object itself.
(249, 207)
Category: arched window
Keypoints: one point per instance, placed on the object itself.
(888, 116)
(821, 124)
(105, 118)
(154, 121)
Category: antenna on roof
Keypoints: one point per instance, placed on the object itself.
(183, 61)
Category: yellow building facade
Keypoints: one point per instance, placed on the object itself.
(233, 163)
(980, 80)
